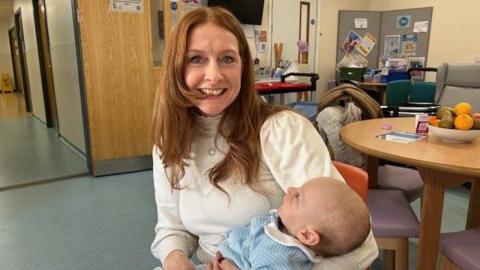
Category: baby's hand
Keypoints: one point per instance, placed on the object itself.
(222, 264)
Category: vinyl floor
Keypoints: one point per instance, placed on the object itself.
(107, 223)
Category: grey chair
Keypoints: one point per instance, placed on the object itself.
(458, 83)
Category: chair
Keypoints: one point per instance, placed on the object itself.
(393, 221)
(355, 177)
(407, 180)
(422, 92)
(306, 108)
(460, 250)
(282, 87)
(329, 121)
(398, 92)
(372, 92)
(404, 98)
(455, 83)
(458, 83)
(408, 97)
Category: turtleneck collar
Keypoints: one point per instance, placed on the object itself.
(207, 125)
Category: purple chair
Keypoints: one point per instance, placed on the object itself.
(405, 179)
(460, 250)
(393, 222)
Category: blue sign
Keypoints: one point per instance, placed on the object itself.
(403, 21)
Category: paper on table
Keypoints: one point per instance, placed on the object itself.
(401, 136)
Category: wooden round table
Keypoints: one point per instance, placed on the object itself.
(441, 164)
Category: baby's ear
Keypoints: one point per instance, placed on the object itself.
(308, 236)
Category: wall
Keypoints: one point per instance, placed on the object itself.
(65, 71)
(455, 28)
(263, 57)
(36, 92)
(5, 57)
(328, 36)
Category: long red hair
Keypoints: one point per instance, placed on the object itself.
(175, 114)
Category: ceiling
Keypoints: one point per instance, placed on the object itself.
(6, 9)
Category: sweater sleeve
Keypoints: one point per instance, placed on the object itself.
(293, 150)
(170, 233)
(294, 153)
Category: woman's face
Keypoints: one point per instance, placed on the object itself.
(213, 67)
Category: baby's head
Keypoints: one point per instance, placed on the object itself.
(326, 215)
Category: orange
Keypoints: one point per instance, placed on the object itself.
(463, 122)
(432, 119)
(462, 108)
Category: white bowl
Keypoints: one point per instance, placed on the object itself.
(454, 135)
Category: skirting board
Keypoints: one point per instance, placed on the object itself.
(125, 165)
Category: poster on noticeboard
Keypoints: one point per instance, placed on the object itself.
(409, 44)
(351, 42)
(367, 44)
(392, 46)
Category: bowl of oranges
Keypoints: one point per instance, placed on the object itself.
(457, 124)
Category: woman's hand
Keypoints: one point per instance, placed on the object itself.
(222, 264)
(177, 260)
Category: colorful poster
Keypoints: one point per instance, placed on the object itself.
(367, 44)
(351, 42)
(392, 46)
(403, 21)
(409, 44)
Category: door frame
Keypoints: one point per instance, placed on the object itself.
(11, 41)
(81, 80)
(48, 94)
(313, 27)
(18, 21)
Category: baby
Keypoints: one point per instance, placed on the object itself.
(322, 218)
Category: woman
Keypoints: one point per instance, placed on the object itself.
(221, 156)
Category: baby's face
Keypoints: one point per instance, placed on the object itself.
(299, 205)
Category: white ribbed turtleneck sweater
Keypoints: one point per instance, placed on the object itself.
(292, 153)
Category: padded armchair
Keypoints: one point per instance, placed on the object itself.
(458, 83)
